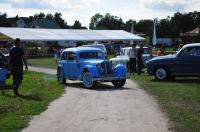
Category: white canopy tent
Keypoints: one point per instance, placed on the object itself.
(30, 34)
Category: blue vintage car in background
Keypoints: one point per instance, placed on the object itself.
(185, 63)
(89, 65)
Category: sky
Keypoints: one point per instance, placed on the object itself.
(83, 10)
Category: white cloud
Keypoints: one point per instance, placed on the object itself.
(83, 10)
(171, 5)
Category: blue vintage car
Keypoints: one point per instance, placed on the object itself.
(185, 63)
(89, 65)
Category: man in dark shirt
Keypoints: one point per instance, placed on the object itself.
(139, 59)
(16, 64)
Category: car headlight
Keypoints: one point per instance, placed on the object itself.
(98, 65)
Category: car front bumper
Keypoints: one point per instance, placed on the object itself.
(109, 78)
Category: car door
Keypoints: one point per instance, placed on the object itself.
(64, 64)
(187, 62)
(195, 58)
(72, 65)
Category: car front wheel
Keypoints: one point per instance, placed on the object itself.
(161, 73)
(87, 80)
(119, 83)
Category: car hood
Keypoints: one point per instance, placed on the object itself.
(119, 58)
(93, 61)
(164, 57)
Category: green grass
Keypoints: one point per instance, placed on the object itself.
(43, 62)
(110, 56)
(37, 90)
(180, 99)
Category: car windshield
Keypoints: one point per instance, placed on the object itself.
(91, 55)
(97, 46)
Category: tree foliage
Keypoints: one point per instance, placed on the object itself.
(167, 27)
(9, 22)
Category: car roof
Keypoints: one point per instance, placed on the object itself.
(191, 45)
(92, 45)
(136, 47)
(83, 49)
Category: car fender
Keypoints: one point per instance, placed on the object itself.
(120, 70)
(92, 69)
(60, 67)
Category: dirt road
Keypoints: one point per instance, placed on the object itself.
(101, 109)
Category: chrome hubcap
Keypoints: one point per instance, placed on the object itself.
(88, 80)
(161, 73)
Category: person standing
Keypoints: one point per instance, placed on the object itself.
(17, 59)
(139, 59)
(132, 59)
(161, 52)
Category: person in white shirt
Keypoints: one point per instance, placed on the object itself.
(132, 58)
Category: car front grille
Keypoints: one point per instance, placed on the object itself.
(106, 66)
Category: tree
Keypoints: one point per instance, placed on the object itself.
(49, 16)
(61, 22)
(77, 25)
(145, 26)
(95, 20)
(39, 16)
(108, 21)
(128, 25)
(4, 21)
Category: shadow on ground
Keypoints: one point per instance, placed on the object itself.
(97, 86)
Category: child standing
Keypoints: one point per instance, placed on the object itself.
(3, 73)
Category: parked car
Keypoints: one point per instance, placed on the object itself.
(89, 65)
(99, 46)
(5, 62)
(185, 63)
(124, 59)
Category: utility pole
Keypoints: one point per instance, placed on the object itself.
(154, 32)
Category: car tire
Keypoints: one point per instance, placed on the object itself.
(88, 80)
(119, 83)
(161, 73)
(60, 79)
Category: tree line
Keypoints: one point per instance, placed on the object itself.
(5, 21)
(167, 27)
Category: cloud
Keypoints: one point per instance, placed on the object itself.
(164, 6)
(32, 4)
(52, 4)
(4, 1)
(171, 5)
(83, 10)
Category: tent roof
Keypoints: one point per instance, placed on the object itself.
(30, 34)
(194, 32)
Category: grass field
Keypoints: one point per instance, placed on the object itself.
(180, 99)
(37, 90)
(43, 62)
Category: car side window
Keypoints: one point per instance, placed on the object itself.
(191, 51)
(71, 56)
(64, 56)
(197, 51)
(183, 53)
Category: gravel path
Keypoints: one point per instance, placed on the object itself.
(101, 109)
